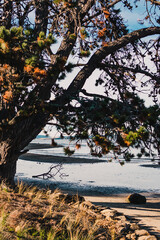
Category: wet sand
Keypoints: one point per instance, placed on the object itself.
(40, 146)
(57, 159)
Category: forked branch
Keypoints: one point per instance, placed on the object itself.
(54, 170)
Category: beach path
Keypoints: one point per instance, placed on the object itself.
(147, 215)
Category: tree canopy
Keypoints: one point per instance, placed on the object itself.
(42, 41)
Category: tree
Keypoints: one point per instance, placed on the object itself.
(95, 33)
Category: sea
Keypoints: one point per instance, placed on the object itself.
(94, 178)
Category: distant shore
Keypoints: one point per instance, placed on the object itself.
(57, 159)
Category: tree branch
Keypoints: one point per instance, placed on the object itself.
(113, 3)
(50, 174)
(97, 95)
(155, 2)
(134, 70)
(103, 52)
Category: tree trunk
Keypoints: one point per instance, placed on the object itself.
(8, 159)
(14, 140)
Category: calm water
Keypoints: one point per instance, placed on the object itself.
(99, 178)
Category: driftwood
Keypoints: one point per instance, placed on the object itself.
(54, 170)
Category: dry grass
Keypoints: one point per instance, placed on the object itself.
(30, 213)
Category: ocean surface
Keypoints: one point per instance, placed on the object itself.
(139, 175)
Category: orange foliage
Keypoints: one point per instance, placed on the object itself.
(106, 13)
(38, 74)
(16, 49)
(102, 33)
(104, 44)
(38, 71)
(7, 96)
(78, 146)
(83, 36)
(124, 135)
(28, 69)
(6, 66)
(1, 80)
(3, 45)
(101, 22)
(43, 72)
(127, 143)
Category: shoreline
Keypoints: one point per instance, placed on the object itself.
(57, 159)
(146, 215)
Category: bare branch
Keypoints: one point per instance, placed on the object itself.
(50, 174)
(134, 70)
(96, 95)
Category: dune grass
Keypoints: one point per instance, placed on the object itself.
(31, 213)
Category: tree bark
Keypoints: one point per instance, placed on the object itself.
(8, 159)
(14, 139)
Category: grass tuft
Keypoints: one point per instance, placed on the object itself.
(30, 213)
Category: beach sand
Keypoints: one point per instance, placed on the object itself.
(147, 215)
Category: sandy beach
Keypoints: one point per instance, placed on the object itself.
(147, 215)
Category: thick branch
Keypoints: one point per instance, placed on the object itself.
(100, 54)
(25, 13)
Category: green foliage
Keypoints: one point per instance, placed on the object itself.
(4, 33)
(132, 137)
(69, 67)
(42, 35)
(72, 36)
(32, 61)
(85, 53)
(128, 156)
(16, 31)
(24, 45)
(84, 33)
(28, 32)
(68, 152)
(50, 39)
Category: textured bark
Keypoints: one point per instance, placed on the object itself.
(8, 159)
(18, 135)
